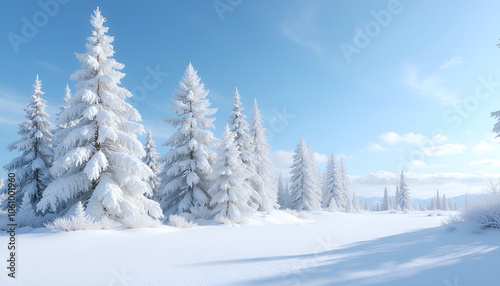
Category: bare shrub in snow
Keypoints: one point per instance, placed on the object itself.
(181, 222)
(484, 212)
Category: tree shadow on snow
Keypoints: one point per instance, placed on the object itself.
(428, 257)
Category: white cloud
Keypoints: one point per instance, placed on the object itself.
(320, 158)
(446, 149)
(486, 163)
(482, 147)
(49, 66)
(394, 138)
(374, 147)
(418, 164)
(454, 61)
(430, 86)
(299, 27)
(283, 158)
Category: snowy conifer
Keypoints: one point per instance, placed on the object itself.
(61, 130)
(185, 175)
(366, 207)
(244, 143)
(438, 201)
(303, 191)
(345, 184)
(283, 195)
(405, 202)
(386, 204)
(230, 192)
(433, 204)
(26, 215)
(32, 166)
(397, 197)
(444, 204)
(349, 206)
(264, 167)
(152, 160)
(100, 156)
(355, 202)
(332, 197)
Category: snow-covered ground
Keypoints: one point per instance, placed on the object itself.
(280, 249)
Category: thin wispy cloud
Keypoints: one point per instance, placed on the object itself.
(49, 66)
(300, 28)
(454, 61)
(431, 85)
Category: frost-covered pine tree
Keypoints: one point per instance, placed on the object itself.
(26, 215)
(187, 166)
(355, 202)
(152, 160)
(345, 184)
(264, 167)
(332, 198)
(244, 143)
(433, 204)
(386, 204)
(444, 204)
(397, 197)
(317, 173)
(405, 202)
(32, 166)
(304, 192)
(283, 195)
(61, 130)
(438, 201)
(230, 192)
(349, 206)
(366, 207)
(100, 156)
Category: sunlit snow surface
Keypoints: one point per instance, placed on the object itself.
(279, 249)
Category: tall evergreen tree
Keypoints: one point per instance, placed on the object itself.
(185, 175)
(433, 204)
(345, 184)
(283, 195)
(61, 130)
(444, 204)
(152, 160)
(355, 202)
(386, 204)
(100, 156)
(264, 167)
(32, 166)
(241, 131)
(366, 207)
(398, 198)
(304, 192)
(332, 199)
(405, 203)
(230, 191)
(438, 201)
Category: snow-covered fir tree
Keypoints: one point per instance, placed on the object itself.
(264, 167)
(244, 143)
(152, 160)
(438, 201)
(304, 192)
(397, 197)
(345, 184)
(100, 156)
(355, 202)
(32, 166)
(366, 207)
(185, 177)
(349, 206)
(230, 192)
(332, 199)
(405, 202)
(283, 195)
(317, 173)
(26, 215)
(61, 130)
(433, 204)
(386, 204)
(444, 204)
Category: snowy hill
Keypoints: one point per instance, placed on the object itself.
(279, 249)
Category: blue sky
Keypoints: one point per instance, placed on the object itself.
(413, 89)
